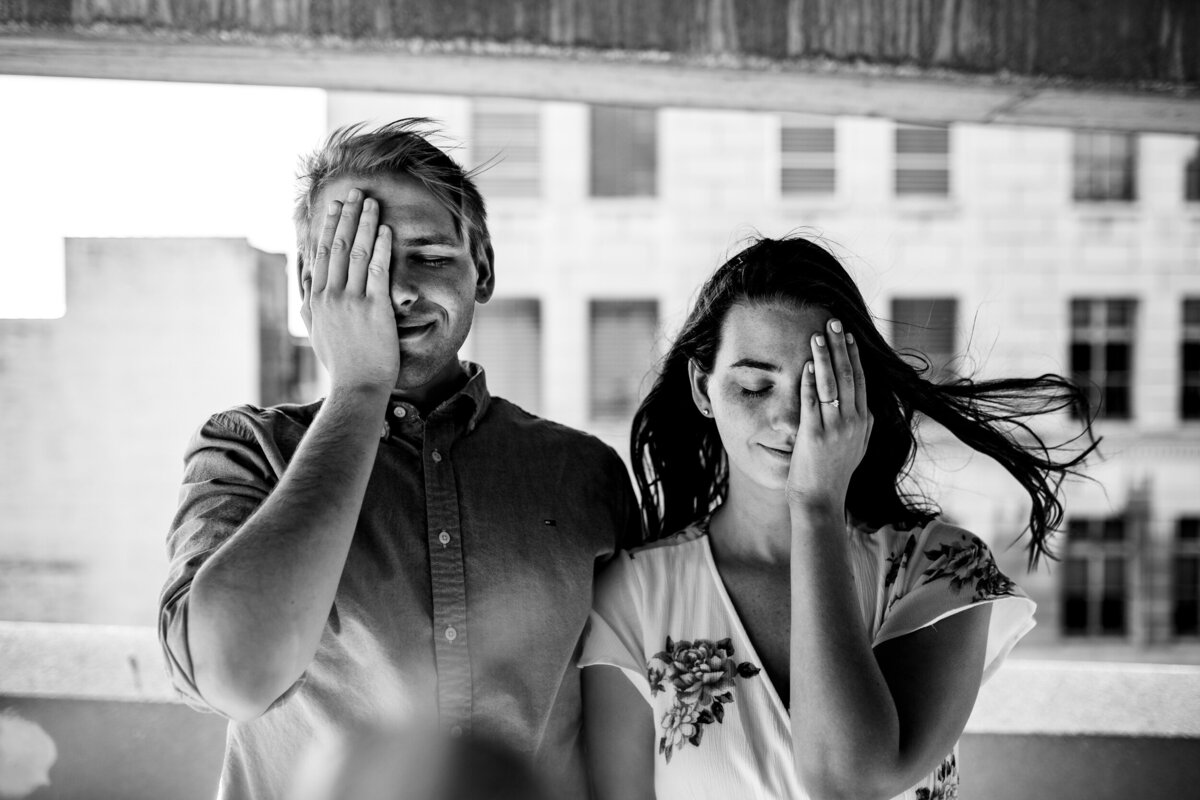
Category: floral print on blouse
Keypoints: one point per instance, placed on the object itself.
(702, 674)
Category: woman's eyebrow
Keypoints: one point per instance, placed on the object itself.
(755, 364)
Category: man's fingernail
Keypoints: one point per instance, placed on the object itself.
(849, 338)
(353, 196)
(334, 206)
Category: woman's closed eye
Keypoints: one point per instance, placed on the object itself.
(754, 391)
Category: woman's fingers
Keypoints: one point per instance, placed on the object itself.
(843, 369)
(810, 411)
(827, 389)
(860, 378)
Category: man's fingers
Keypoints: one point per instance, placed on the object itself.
(320, 265)
(343, 239)
(363, 247)
(379, 270)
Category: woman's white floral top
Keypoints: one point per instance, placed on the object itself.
(662, 615)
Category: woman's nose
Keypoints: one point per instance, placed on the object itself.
(785, 410)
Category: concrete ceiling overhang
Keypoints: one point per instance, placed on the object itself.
(1112, 64)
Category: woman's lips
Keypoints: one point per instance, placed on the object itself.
(786, 455)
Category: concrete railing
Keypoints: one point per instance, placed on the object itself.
(1041, 729)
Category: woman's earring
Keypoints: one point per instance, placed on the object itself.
(706, 412)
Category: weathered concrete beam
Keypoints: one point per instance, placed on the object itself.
(820, 89)
(1096, 40)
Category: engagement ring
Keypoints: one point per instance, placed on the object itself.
(833, 403)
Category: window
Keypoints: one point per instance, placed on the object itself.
(922, 160)
(506, 142)
(1191, 176)
(1102, 353)
(927, 325)
(622, 354)
(1095, 578)
(506, 338)
(1189, 361)
(624, 151)
(806, 158)
(1185, 584)
(1105, 166)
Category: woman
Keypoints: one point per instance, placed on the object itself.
(798, 625)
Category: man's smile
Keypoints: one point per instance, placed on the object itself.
(408, 332)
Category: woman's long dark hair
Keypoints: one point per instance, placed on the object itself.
(679, 462)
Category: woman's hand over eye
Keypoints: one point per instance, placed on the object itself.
(835, 423)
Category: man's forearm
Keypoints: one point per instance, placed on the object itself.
(258, 606)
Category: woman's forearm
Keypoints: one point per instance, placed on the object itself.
(845, 727)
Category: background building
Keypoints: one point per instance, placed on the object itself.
(98, 405)
(993, 250)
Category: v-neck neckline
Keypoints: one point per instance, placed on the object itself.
(731, 612)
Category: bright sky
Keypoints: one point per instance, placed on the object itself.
(128, 158)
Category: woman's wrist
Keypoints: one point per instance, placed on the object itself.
(815, 505)
(817, 513)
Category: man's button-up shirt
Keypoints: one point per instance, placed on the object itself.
(465, 592)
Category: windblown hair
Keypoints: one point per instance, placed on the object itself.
(680, 464)
(399, 148)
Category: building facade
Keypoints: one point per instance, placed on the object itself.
(993, 250)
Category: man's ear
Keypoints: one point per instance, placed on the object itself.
(698, 380)
(485, 279)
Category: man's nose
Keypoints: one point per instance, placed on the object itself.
(403, 289)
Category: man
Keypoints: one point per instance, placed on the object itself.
(408, 548)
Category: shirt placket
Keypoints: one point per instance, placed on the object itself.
(448, 578)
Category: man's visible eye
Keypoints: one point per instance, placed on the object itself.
(434, 262)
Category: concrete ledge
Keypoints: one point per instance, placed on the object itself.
(1056, 698)
(362, 66)
(87, 662)
(1063, 698)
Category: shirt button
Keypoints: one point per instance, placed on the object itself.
(436, 456)
(399, 412)
(456, 731)
(451, 634)
(444, 538)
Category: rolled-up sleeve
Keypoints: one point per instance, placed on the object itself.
(230, 466)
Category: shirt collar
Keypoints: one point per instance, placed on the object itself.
(468, 405)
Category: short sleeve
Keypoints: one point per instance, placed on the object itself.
(227, 475)
(615, 634)
(939, 570)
